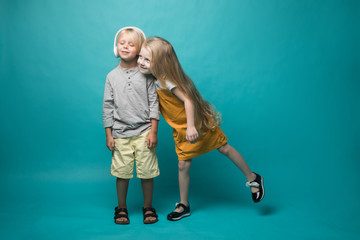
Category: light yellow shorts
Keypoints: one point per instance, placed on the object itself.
(130, 150)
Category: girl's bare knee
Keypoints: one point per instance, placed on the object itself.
(225, 149)
(184, 165)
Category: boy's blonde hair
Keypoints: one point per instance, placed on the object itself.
(164, 62)
(136, 34)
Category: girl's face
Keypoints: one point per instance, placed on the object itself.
(144, 61)
(126, 47)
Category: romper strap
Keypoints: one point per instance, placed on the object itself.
(163, 82)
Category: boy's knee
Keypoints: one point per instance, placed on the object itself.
(145, 180)
(123, 179)
(225, 149)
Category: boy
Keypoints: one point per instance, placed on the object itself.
(130, 118)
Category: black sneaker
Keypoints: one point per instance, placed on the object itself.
(258, 183)
(175, 216)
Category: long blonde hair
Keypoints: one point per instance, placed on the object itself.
(164, 62)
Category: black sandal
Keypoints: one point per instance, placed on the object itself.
(153, 214)
(175, 216)
(121, 215)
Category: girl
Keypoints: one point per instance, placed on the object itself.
(195, 124)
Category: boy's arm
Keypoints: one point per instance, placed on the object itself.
(108, 105)
(110, 142)
(154, 113)
(191, 133)
(108, 114)
(153, 99)
(151, 140)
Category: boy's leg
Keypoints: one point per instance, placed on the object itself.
(184, 183)
(122, 186)
(146, 168)
(148, 188)
(240, 162)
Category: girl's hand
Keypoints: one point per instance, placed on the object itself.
(110, 143)
(151, 140)
(192, 134)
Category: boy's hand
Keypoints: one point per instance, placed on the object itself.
(110, 143)
(151, 140)
(192, 134)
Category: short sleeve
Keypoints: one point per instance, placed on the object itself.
(169, 85)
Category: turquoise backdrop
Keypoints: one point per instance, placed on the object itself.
(285, 74)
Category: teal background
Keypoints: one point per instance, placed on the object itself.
(284, 74)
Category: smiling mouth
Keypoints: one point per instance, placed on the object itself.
(144, 68)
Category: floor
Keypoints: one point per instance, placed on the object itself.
(48, 209)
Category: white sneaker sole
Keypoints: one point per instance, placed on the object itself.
(176, 219)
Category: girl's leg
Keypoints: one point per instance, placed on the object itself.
(184, 183)
(239, 161)
(148, 189)
(122, 186)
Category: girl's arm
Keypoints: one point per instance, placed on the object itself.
(191, 133)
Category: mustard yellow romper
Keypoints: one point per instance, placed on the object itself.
(173, 111)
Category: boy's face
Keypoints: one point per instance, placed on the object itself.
(126, 47)
(144, 61)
